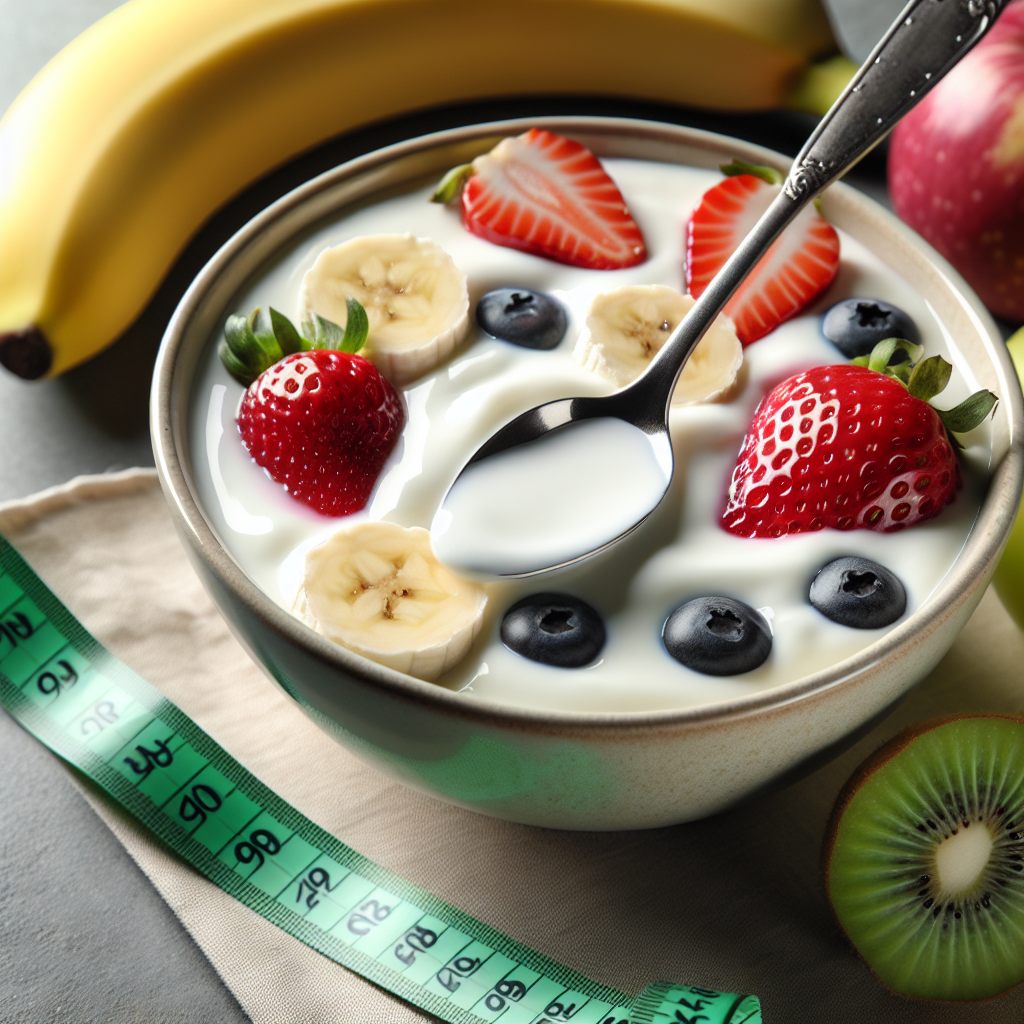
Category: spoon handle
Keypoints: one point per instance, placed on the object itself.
(922, 45)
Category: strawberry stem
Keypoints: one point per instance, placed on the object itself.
(323, 333)
(450, 186)
(247, 351)
(737, 166)
(878, 359)
(924, 379)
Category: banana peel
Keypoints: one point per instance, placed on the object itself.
(127, 141)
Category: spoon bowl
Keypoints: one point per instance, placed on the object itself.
(557, 485)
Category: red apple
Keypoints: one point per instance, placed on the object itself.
(956, 166)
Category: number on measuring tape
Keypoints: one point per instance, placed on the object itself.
(54, 681)
(161, 757)
(18, 627)
(102, 717)
(104, 713)
(416, 940)
(318, 879)
(256, 848)
(196, 804)
(367, 916)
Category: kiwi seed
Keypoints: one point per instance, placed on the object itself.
(924, 858)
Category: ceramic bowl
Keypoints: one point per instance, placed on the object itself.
(558, 769)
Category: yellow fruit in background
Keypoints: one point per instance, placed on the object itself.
(126, 142)
(1009, 578)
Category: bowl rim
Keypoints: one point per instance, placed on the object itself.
(976, 559)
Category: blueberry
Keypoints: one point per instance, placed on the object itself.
(856, 326)
(529, 319)
(717, 636)
(556, 629)
(859, 593)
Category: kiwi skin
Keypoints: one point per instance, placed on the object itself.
(865, 771)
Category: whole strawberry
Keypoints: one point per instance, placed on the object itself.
(322, 420)
(851, 447)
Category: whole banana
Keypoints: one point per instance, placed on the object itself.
(134, 134)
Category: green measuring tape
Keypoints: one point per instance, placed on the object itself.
(71, 693)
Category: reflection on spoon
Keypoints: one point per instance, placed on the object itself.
(553, 500)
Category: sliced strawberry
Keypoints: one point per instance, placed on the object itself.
(800, 264)
(550, 196)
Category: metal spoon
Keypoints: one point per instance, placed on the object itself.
(923, 44)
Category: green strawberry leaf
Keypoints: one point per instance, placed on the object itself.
(929, 377)
(322, 333)
(768, 174)
(234, 365)
(451, 185)
(924, 379)
(239, 337)
(969, 413)
(901, 371)
(357, 326)
(246, 353)
(287, 336)
(885, 350)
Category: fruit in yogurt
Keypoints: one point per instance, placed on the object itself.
(851, 447)
(549, 196)
(322, 423)
(523, 317)
(856, 326)
(718, 636)
(414, 295)
(924, 858)
(798, 266)
(378, 590)
(626, 328)
(555, 629)
(858, 592)
(450, 414)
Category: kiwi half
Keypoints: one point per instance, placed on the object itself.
(924, 858)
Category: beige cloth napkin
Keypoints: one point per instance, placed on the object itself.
(735, 902)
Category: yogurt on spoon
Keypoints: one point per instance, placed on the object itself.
(552, 501)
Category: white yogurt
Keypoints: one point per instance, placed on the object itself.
(553, 500)
(679, 552)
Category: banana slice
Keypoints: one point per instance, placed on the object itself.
(377, 589)
(626, 326)
(414, 295)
